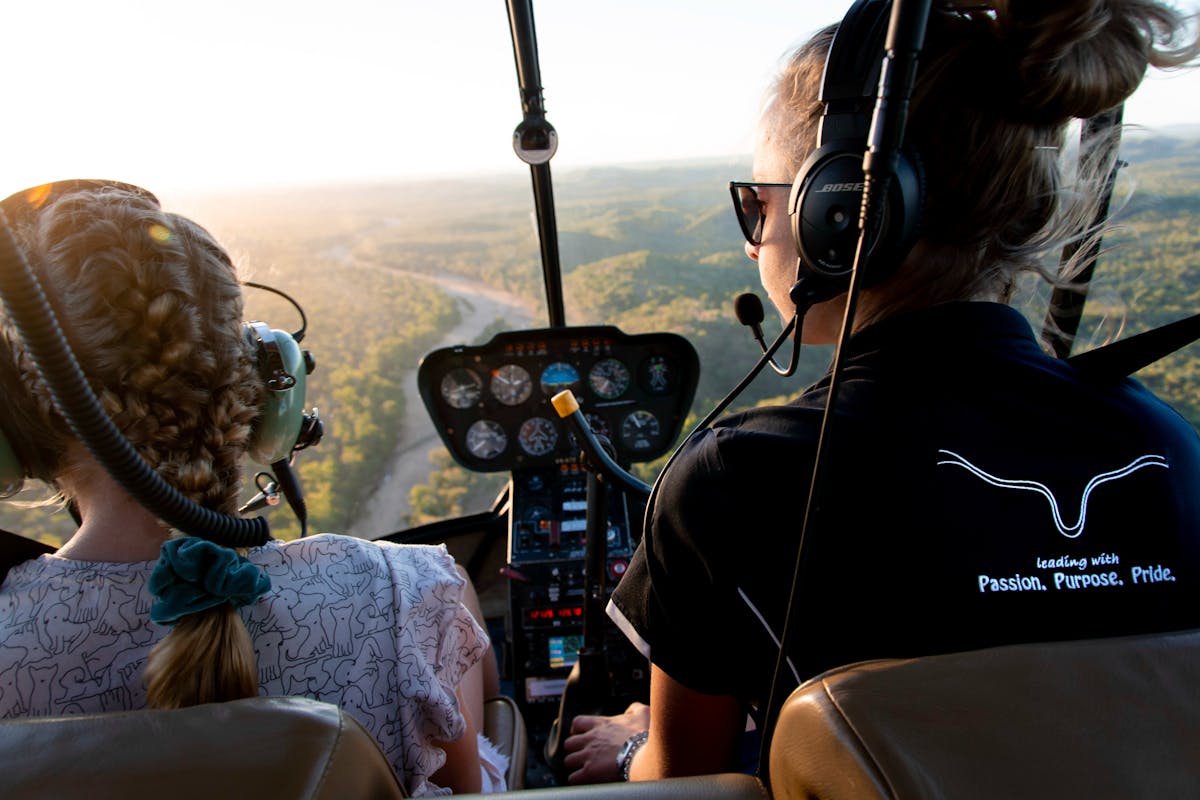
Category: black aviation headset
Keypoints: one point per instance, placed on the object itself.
(825, 206)
(281, 428)
(826, 198)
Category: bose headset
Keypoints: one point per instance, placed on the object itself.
(281, 428)
(826, 197)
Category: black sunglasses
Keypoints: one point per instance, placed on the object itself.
(749, 209)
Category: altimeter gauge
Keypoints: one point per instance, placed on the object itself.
(511, 384)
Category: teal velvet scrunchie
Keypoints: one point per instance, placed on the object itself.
(195, 574)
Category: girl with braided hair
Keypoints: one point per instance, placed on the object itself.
(127, 613)
(977, 491)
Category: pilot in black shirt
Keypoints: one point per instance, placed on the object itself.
(979, 493)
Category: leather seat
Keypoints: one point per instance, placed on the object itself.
(1098, 718)
(277, 747)
(262, 747)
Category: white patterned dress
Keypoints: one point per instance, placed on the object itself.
(376, 628)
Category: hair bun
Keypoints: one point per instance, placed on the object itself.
(1078, 58)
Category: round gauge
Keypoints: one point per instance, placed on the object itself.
(486, 439)
(609, 378)
(461, 388)
(559, 376)
(511, 384)
(537, 436)
(657, 375)
(640, 430)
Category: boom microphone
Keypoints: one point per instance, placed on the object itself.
(749, 311)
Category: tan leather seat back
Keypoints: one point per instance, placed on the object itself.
(1098, 718)
(505, 727)
(277, 747)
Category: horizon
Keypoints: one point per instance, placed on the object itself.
(1183, 132)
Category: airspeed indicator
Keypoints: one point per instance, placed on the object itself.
(461, 388)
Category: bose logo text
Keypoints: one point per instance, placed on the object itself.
(840, 187)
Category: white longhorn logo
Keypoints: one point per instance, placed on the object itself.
(1070, 531)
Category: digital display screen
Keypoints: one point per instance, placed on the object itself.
(551, 613)
(564, 650)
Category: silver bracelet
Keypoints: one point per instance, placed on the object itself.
(629, 750)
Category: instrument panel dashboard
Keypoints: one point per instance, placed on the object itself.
(491, 403)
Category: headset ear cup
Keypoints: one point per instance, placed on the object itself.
(12, 472)
(824, 209)
(283, 368)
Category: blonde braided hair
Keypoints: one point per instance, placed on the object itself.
(152, 308)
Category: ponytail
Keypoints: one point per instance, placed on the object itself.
(208, 656)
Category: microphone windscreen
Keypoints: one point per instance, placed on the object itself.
(749, 308)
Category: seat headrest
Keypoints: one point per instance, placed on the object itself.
(278, 747)
(1098, 718)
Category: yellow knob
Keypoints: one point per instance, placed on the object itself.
(565, 403)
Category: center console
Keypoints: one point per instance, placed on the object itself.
(491, 406)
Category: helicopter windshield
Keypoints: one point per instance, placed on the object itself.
(375, 162)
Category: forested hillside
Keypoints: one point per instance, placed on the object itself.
(646, 249)
(1150, 273)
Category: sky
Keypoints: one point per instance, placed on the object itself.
(182, 95)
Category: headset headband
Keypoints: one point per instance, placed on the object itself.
(851, 75)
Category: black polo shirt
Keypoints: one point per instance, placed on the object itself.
(977, 492)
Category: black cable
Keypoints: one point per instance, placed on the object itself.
(289, 484)
(776, 695)
(297, 335)
(905, 37)
(796, 323)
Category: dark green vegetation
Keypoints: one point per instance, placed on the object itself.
(650, 249)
